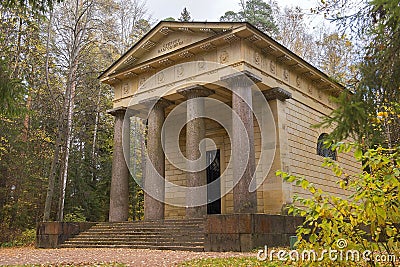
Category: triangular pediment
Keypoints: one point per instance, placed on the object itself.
(165, 38)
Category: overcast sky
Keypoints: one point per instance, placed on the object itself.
(210, 10)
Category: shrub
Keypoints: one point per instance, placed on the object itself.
(368, 220)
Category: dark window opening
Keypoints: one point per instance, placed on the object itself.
(324, 151)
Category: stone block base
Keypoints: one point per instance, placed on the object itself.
(244, 232)
(53, 234)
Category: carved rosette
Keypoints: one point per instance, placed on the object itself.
(201, 64)
(161, 77)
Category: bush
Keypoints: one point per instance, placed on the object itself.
(26, 238)
(368, 220)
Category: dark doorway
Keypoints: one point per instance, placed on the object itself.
(213, 173)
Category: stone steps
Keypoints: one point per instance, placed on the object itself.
(159, 247)
(167, 234)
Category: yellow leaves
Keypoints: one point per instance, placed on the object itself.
(382, 114)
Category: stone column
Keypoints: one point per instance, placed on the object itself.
(240, 84)
(195, 132)
(119, 191)
(154, 185)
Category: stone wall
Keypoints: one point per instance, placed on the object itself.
(244, 232)
(53, 234)
(302, 141)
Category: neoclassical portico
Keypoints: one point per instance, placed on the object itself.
(163, 70)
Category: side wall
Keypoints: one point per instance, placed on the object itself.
(296, 146)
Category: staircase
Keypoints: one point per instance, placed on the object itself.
(167, 234)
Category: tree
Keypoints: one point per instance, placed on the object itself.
(256, 12)
(11, 92)
(185, 16)
(376, 90)
(133, 22)
(169, 19)
(30, 6)
(337, 57)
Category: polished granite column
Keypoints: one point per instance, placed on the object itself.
(154, 181)
(119, 191)
(195, 133)
(243, 152)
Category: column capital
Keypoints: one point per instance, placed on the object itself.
(124, 111)
(156, 102)
(195, 91)
(277, 93)
(116, 111)
(241, 79)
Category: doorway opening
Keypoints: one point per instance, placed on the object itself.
(213, 173)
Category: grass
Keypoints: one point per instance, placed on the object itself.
(232, 261)
(71, 265)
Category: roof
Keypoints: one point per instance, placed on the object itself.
(141, 55)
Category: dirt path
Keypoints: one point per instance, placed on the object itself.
(86, 256)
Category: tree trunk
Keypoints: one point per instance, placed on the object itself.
(68, 137)
(96, 126)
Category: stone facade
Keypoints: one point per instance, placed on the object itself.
(297, 95)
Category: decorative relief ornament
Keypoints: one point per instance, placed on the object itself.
(142, 81)
(179, 71)
(286, 75)
(257, 58)
(272, 66)
(224, 57)
(201, 64)
(298, 81)
(161, 77)
(125, 89)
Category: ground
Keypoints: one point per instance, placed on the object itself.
(91, 256)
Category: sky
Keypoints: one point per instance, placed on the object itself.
(210, 10)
